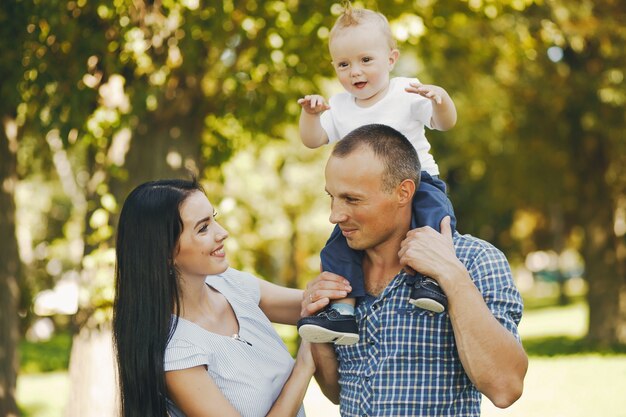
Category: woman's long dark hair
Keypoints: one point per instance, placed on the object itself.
(146, 292)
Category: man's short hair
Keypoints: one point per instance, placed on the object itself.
(391, 147)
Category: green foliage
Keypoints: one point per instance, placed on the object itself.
(51, 355)
(108, 94)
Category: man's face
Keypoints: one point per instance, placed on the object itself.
(366, 215)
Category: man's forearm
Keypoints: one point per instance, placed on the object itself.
(492, 358)
(327, 370)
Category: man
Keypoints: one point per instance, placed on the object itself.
(409, 361)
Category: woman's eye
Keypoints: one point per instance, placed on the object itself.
(367, 59)
(203, 228)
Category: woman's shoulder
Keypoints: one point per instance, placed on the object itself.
(188, 346)
(236, 282)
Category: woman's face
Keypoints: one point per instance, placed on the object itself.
(200, 250)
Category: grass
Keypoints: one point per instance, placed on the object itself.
(565, 377)
(570, 386)
(43, 394)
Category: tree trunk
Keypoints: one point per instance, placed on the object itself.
(621, 267)
(600, 248)
(92, 374)
(9, 270)
(93, 394)
(605, 284)
(155, 153)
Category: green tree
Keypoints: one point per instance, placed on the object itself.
(575, 65)
(540, 91)
(548, 119)
(12, 17)
(104, 95)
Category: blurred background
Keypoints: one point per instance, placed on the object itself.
(97, 96)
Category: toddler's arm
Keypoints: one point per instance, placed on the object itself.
(311, 132)
(444, 111)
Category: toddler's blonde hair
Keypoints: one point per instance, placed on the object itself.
(352, 17)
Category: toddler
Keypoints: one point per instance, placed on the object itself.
(363, 54)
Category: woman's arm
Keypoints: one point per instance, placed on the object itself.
(290, 399)
(280, 304)
(319, 291)
(196, 394)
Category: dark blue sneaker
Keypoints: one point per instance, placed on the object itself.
(427, 294)
(328, 326)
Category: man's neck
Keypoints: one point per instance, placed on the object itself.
(380, 265)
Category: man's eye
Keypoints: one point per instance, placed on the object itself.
(342, 65)
(367, 59)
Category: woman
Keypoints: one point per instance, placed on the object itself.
(193, 337)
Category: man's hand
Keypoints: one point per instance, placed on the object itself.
(313, 104)
(429, 252)
(432, 92)
(323, 288)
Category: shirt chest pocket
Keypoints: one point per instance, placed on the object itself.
(417, 334)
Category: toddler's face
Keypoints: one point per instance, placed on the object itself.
(362, 60)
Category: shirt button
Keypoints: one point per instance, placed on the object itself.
(372, 343)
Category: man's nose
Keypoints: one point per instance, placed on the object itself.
(337, 215)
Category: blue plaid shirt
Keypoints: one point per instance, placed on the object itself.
(406, 361)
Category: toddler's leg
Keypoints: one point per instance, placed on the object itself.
(430, 206)
(337, 323)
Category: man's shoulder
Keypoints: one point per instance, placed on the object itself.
(469, 247)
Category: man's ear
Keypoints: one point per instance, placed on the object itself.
(406, 191)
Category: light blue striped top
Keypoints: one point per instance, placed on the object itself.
(250, 371)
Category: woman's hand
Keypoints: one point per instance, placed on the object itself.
(320, 290)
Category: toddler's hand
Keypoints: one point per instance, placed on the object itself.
(313, 104)
(432, 92)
